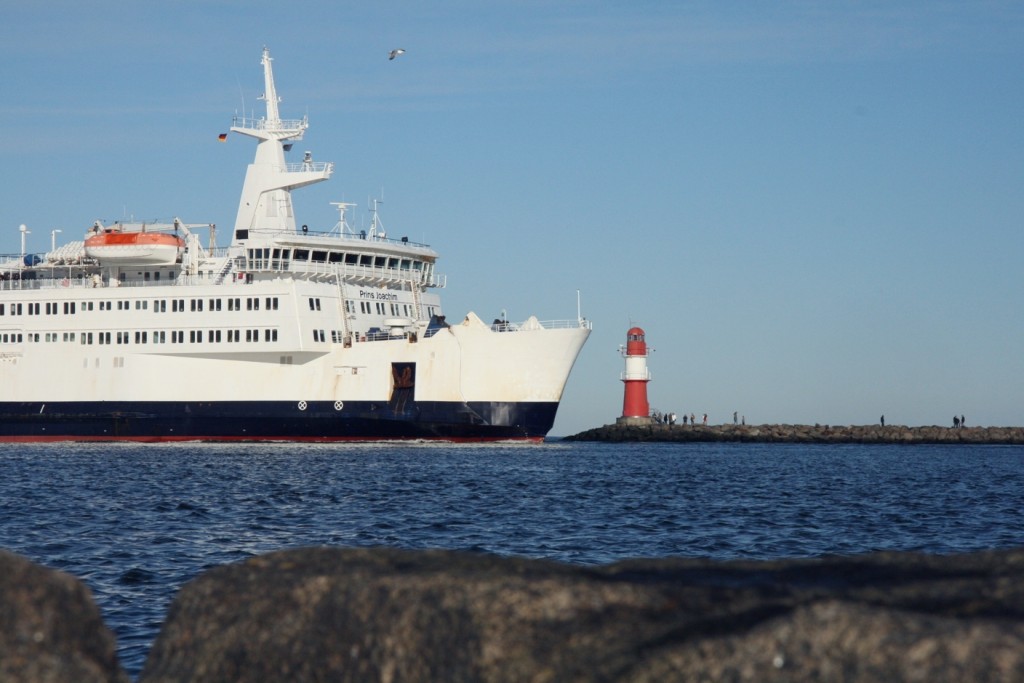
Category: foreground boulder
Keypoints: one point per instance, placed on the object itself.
(50, 628)
(323, 614)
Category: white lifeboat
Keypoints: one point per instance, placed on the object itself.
(117, 246)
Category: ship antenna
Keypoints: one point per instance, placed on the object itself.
(376, 227)
(270, 91)
(342, 227)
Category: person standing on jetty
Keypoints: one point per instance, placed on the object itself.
(883, 420)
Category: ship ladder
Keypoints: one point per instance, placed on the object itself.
(341, 307)
(223, 272)
(415, 288)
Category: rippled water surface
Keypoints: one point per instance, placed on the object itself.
(136, 522)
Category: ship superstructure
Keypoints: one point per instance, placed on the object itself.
(140, 332)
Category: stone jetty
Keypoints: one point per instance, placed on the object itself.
(345, 614)
(793, 433)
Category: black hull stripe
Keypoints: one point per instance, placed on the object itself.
(274, 420)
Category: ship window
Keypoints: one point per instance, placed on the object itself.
(214, 304)
(417, 265)
(405, 264)
(319, 257)
(336, 257)
(241, 234)
(197, 304)
(300, 255)
(271, 303)
(379, 261)
(195, 336)
(2, 309)
(351, 259)
(252, 304)
(156, 276)
(366, 260)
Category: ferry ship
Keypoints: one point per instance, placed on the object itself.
(141, 333)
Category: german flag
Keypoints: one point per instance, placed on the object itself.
(223, 137)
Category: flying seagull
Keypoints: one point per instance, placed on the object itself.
(395, 53)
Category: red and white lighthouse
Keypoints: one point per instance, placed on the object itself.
(635, 408)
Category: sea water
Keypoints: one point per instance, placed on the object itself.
(136, 522)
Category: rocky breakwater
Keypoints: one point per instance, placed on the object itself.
(330, 614)
(791, 433)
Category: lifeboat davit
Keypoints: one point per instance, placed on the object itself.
(113, 246)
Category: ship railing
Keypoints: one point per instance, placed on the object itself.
(528, 326)
(276, 125)
(365, 274)
(310, 166)
(336, 234)
(532, 325)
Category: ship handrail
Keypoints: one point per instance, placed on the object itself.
(346, 271)
(263, 123)
(314, 166)
(531, 325)
(334, 234)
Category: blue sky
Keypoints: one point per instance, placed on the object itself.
(815, 210)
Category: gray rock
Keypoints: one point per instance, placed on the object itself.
(323, 614)
(50, 628)
(788, 433)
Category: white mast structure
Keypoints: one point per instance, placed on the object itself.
(266, 203)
